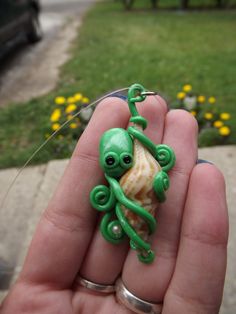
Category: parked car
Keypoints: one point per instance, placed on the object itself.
(19, 17)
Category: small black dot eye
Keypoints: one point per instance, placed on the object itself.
(127, 159)
(110, 160)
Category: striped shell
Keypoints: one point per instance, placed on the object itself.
(137, 184)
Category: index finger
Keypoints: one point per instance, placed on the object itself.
(66, 227)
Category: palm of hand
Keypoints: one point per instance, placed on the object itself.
(190, 241)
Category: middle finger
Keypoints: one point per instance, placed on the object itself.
(149, 282)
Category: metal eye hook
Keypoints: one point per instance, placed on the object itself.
(148, 93)
(137, 93)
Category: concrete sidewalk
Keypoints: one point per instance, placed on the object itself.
(34, 187)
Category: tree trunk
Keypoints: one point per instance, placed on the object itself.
(219, 3)
(154, 3)
(184, 4)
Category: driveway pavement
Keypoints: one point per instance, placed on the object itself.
(34, 187)
(32, 70)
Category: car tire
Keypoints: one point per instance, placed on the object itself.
(34, 32)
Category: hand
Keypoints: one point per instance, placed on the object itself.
(190, 242)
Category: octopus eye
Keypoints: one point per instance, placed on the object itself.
(110, 160)
(127, 159)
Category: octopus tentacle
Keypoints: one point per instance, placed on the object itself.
(135, 238)
(102, 198)
(145, 254)
(143, 139)
(111, 229)
(165, 156)
(131, 205)
(160, 185)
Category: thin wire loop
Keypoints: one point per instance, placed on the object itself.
(51, 136)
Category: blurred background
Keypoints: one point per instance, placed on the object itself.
(57, 56)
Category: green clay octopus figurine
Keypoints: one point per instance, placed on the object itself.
(136, 171)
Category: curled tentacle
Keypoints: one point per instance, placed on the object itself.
(102, 198)
(111, 229)
(160, 185)
(135, 95)
(165, 156)
(146, 255)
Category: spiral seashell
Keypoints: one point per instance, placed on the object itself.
(137, 184)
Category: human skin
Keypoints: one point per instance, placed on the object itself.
(190, 242)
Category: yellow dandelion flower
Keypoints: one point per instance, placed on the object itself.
(78, 96)
(55, 126)
(60, 100)
(211, 100)
(85, 100)
(71, 100)
(181, 95)
(218, 124)
(208, 115)
(201, 99)
(224, 130)
(70, 108)
(225, 116)
(187, 88)
(73, 125)
(55, 116)
(194, 113)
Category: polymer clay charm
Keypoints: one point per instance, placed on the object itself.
(136, 171)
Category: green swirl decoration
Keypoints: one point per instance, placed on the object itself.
(161, 184)
(102, 198)
(165, 156)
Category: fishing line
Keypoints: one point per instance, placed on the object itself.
(51, 136)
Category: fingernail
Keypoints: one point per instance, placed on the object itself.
(203, 161)
(123, 97)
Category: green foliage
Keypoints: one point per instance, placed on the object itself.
(209, 137)
(214, 125)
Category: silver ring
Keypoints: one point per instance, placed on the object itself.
(135, 304)
(95, 286)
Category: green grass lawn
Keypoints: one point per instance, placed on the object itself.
(160, 49)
